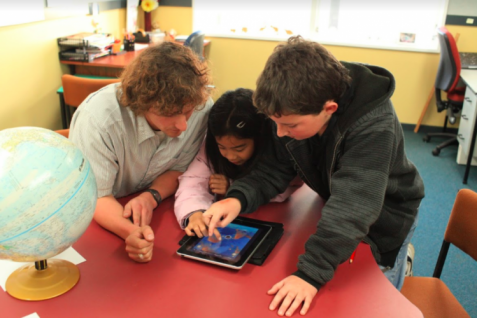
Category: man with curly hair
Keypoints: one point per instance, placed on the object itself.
(336, 127)
(140, 135)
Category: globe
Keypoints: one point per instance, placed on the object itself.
(47, 196)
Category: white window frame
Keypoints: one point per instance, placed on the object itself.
(14, 12)
(414, 36)
(230, 20)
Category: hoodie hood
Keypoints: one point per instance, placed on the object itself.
(372, 87)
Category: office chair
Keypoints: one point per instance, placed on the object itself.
(63, 132)
(196, 42)
(447, 80)
(430, 294)
(76, 89)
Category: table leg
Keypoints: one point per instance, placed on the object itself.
(69, 114)
(471, 153)
(62, 110)
(424, 109)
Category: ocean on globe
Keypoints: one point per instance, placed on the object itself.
(47, 194)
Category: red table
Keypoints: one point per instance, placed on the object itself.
(111, 285)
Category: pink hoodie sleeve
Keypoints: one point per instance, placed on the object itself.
(193, 192)
(294, 185)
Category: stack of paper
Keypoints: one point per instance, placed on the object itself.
(97, 40)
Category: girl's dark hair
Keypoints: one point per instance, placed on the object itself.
(233, 114)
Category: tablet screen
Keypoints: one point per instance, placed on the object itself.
(234, 238)
(239, 240)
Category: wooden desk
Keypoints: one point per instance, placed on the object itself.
(110, 66)
(111, 285)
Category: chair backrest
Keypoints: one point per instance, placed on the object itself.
(63, 132)
(196, 42)
(448, 73)
(461, 229)
(76, 89)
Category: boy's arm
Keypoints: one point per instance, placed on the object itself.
(109, 214)
(294, 185)
(139, 240)
(358, 189)
(142, 206)
(270, 176)
(166, 184)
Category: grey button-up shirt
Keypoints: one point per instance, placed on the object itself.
(126, 155)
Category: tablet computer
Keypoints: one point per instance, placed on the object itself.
(239, 241)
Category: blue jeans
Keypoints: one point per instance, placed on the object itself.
(397, 273)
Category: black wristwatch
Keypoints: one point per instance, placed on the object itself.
(155, 195)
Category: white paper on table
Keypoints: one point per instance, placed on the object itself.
(139, 46)
(34, 315)
(7, 267)
(181, 38)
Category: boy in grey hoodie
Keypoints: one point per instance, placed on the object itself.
(336, 127)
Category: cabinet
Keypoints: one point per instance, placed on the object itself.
(467, 122)
(467, 126)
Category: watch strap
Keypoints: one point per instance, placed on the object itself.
(156, 195)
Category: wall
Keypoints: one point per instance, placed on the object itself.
(237, 63)
(30, 69)
(177, 18)
(31, 73)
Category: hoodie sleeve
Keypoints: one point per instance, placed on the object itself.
(270, 176)
(193, 192)
(358, 188)
(294, 185)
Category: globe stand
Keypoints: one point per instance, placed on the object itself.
(43, 280)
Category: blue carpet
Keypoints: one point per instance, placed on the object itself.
(442, 179)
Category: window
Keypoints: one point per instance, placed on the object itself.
(402, 25)
(12, 13)
(252, 18)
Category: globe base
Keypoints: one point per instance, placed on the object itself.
(30, 283)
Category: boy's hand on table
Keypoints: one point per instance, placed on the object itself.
(196, 224)
(139, 244)
(221, 213)
(141, 209)
(291, 293)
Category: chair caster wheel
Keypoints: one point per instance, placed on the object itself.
(436, 152)
(426, 138)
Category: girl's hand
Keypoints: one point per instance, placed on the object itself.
(219, 184)
(197, 224)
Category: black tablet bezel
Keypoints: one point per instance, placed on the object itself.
(247, 251)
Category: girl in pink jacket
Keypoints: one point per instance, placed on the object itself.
(235, 135)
